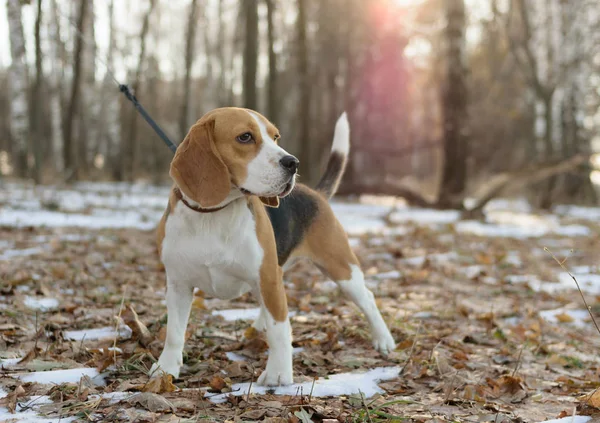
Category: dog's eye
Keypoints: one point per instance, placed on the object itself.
(245, 138)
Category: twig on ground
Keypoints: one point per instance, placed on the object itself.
(250, 385)
(587, 307)
(312, 389)
(518, 361)
(81, 343)
(224, 338)
(37, 332)
(412, 349)
(451, 387)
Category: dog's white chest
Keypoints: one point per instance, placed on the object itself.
(218, 253)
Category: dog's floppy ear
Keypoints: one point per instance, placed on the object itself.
(270, 201)
(198, 169)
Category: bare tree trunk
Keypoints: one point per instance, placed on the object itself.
(87, 130)
(272, 97)
(210, 93)
(250, 53)
(130, 154)
(19, 115)
(305, 91)
(110, 124)
(221, 55)
(454, 106)
(55, 90)
(185, 119)
(69, 157)
(37, 101)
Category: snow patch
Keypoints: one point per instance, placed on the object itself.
(241, 313)
(97, 334)
(237, 357)
(424, 216)
(60, 376)
(30, 416)
(98, 220)
(41, 304)
(234, 357)
(9, 254)
(9, 362)
(437, 258)
(334, 385)
(508, 224)
(578, 212)
(393, 274)
(359, 219)
(579, 317)
(588, 282)
(570, 419)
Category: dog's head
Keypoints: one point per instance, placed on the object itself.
(233, 148)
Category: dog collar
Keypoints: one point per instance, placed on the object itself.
(198, 209)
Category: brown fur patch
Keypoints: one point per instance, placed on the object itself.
(160, 230)
(271, 275)
(326, 243)
(198, 168)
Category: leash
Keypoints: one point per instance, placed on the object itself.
(125, 90)
(129, 95)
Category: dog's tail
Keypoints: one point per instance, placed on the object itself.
(334, 171)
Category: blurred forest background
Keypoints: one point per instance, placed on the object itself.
(448, 99)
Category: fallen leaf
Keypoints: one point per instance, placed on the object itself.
(217, 383)
(510, 384)
(10, 401)
(304, 416)
(271, 404)
(591, 399)
(152, 402)
(184, 404)
(33, 353)
(198, 303)
(140, 416)
(251, 333)
(254, 414)
(564, 318)
(160, 383)
(234, 369)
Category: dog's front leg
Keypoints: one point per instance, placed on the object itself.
(274, 316)
(179, 302)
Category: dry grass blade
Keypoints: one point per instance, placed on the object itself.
(118, 321)
(138, 328)
(364, 403)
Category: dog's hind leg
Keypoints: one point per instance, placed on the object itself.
(179, 303)
(327, 246)
(355, 289)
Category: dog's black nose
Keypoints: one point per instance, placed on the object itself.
(289, 163)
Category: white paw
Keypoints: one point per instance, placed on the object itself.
(383, 342)
(169, 362)
(260, 324)
(276, 374)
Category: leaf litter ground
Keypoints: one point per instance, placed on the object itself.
(488, 326)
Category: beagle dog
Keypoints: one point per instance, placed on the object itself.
(236, 219)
